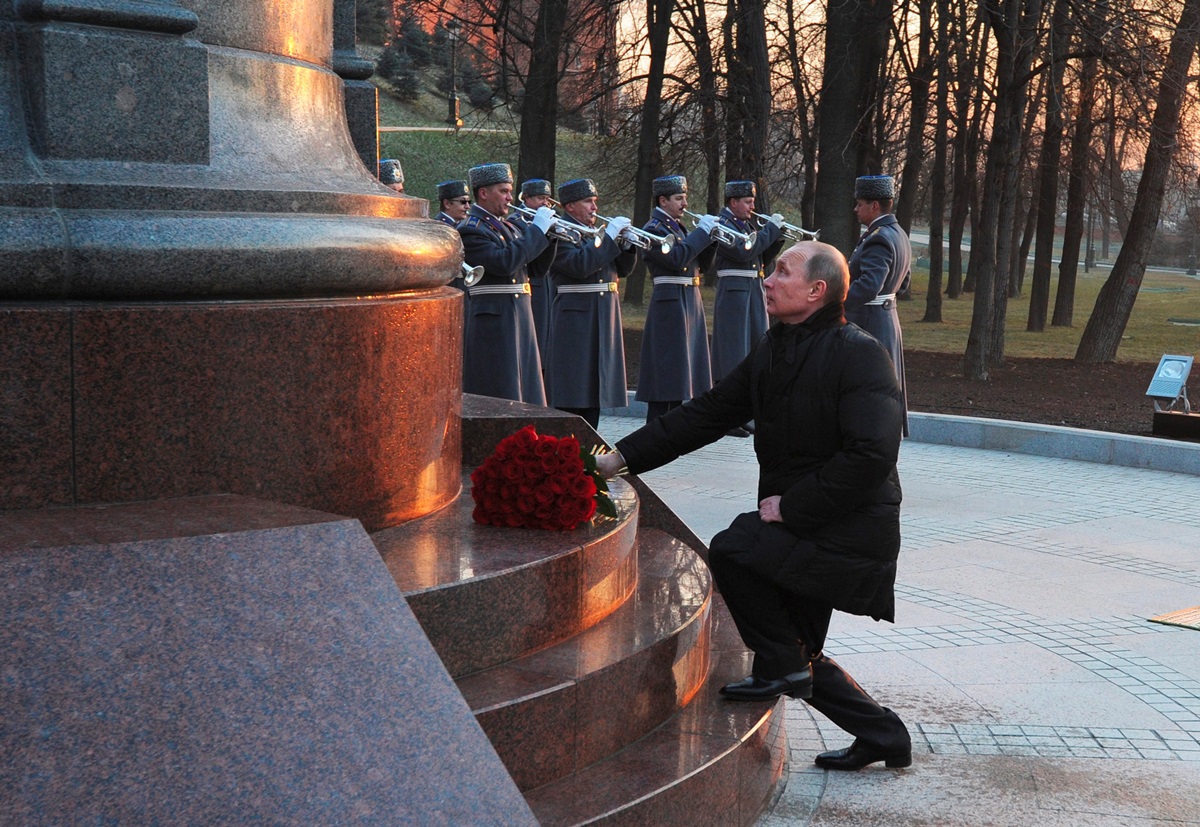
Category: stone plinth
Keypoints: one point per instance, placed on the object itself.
(225, 661)
(349, 406)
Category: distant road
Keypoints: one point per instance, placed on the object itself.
(436, 129)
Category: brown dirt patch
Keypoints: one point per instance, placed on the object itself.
(1108, 397)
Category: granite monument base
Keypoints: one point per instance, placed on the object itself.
(350, 406)
(222, 660)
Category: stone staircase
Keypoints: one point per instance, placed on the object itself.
(591, 658)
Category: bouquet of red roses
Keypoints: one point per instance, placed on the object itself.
(539, 481)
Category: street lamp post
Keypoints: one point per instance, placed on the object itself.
(1191, 269)
(453, 118)
(1089, 259)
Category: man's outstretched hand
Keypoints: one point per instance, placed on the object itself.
(609, 465)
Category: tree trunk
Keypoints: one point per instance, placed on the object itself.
(1102, 335)
(1048, 170)
(1064, 298)
(856, 36)
(937, 180)
(919, 80)
(539, 107)
(985, 341)
(658, 27)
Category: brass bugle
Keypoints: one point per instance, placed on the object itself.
(471, 275)
(643, 240)
(571, 233)
(727, 235)
(791, 231)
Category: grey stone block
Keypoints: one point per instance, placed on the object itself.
(108, 94)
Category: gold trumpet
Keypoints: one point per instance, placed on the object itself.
(471, 275)
(643, 240)
(727, 235)
(561, 230)
(790, 231)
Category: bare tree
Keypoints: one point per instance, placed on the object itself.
(1102, 335)
(1012, 23)
(856, 37)
(539, 109)
(937, 181)
(1048, 167)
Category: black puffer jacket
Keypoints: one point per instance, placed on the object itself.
(827, 411)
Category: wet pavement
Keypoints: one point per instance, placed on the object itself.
(1023, 660)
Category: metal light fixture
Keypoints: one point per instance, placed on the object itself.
(1170, 382)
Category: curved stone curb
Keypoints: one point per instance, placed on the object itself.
(1154, 453)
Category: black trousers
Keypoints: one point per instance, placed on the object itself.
(656, 409)
(590, 415)
(786, 632)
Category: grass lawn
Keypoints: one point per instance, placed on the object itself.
(1164, 296)
(430, 157)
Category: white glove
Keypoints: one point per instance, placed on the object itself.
(708, 223)
(544, 219)
(610, 464)
(616, 226)
(777, 220)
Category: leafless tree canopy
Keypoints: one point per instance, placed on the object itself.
(1018, 130)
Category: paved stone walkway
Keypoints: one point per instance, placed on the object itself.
(1023, 661)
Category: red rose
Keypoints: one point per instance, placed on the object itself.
(557, 484)
(547, 446)
(512, 471)
(583, 487)
(568, 447)
(543, 495)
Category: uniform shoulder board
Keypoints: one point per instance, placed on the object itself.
(472, 221)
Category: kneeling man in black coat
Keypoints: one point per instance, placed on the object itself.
(826, 535)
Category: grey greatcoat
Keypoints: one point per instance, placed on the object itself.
(457, 281)
(585, 364)
(880, 267)
(740, 311)
(500, 352)
(675, 361)
(541, 292)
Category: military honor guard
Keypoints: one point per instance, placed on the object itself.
(391, 174)
(537, 193)
(500, 352)
(455, 200)
(879, 268)
(740, 310)
(675, 362)
(585, 363)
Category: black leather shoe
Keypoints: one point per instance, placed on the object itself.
(858, 755)
(749, 427)
(752, 688)
(742, 432)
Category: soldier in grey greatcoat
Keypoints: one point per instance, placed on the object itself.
(455, 201)
(535, 193)
(391, 174)
(500, 353)
(879, 269)
(585, 363)
(675, 362)
(740, 310)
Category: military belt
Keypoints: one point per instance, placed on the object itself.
(499, 289)
(881, 299)
(606, 287)
(686, 281)
(745, 274)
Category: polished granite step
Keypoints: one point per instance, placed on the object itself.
(485, 595)
(715, 762)
(555, 711)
